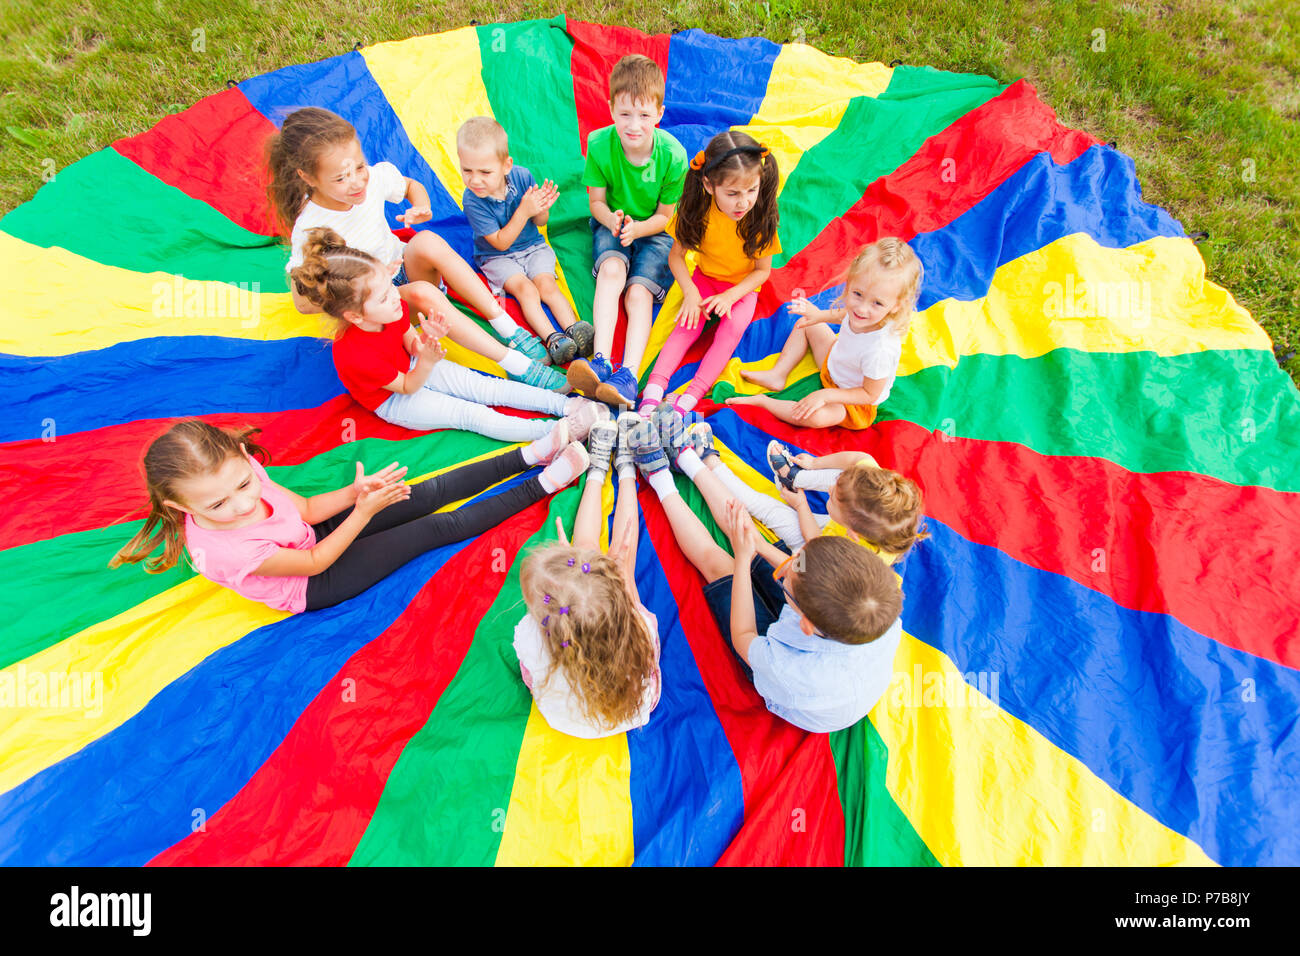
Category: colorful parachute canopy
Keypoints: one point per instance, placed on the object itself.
(1100, 660)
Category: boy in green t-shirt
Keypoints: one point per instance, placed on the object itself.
(634, 179)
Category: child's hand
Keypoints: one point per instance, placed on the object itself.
(801, 306)
(740, 530)
(373, 500)
(428, 351)
(628, 234)
(689, 315)
(393, 474)
(795, 499)
(534, 202)
(719, 304)
(807, 406)
(416, 215)
(549, 194)
(804, 460)
(559, 531)
(617, 228)
(434, 328)
(620, 552)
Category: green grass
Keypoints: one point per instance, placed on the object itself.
(1200, 94)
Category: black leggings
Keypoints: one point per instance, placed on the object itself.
(407, 530)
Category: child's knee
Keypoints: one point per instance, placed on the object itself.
(423, 295)
(829, 416)
(613, 269)
(429, 245)
(638, 296)
(716, 564)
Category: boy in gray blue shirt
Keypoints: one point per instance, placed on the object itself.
(504, 206)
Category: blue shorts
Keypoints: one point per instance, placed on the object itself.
(646, 259)
(400, 279)
(769, 600)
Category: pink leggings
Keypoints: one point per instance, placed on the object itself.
(725, 340)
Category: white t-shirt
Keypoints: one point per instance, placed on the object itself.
(557, 700)
(861, 355)
(362, 227)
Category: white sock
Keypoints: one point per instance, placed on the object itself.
(777, 515)
(514, 362)
(652, 393)
(625, 469)
(817, 479)
(689, 463)
(662, 482)
(503, 325)
(686, 402)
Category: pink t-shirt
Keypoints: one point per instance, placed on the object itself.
(229, 557)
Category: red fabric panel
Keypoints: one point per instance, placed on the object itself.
(596, 48)
(311, 802)
(993, 142)
(793, 815)
(1160, 555)
(212, 152)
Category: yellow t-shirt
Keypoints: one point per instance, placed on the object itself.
(835, 529)
(721, 254)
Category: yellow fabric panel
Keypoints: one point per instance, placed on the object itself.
(983, 788)
(1152, 296)
(433, 83)
(572, 801)
(138, 653)
(803, 75)
(57, 303)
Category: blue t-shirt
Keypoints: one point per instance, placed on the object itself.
(816, 683)
(486, 215)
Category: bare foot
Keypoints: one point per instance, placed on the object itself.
(768, 378)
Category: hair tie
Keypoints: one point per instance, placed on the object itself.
(698, 162)
(564, 643)
(586, 568)
(545, 620)
(564, 610)
(546, 599)
(763, 152)
(570, 562)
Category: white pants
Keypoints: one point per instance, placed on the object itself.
(457, 397)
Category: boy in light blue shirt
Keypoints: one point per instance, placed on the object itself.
(504, 206)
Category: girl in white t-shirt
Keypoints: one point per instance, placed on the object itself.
(319, 177)
(859, 364)
(588, 649)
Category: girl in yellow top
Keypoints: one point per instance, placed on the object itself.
(727, 215)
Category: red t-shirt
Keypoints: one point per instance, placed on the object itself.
(367, 361)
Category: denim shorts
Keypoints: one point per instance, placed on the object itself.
(531, 261)
(769, 600)
(400, 279)
(646, 259)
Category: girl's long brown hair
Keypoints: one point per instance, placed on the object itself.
(758, 228)
(333, 276)
(305, 135)
(188, 449)
(602, 642)
(881, 506)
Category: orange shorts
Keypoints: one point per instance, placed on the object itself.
(855, 416)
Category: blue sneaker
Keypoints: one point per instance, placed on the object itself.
(586, 375)
(700, 437)
(672, 429)
(529, 344)
(643, 440)
(539, 376)
(618, 389)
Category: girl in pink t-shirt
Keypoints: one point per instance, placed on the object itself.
(209, 495)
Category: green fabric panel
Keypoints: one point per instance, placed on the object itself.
(1229, 414)
(108, 209)
(446, 799)
(529, 82)
(68, 585)
(875, 136)
(876, 831)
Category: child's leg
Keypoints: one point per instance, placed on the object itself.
(428, 409)
(824, 417)
(639, 304)
(718, 482)
(795, 347)
(370, 559)
(549, 291)
(611, 276)
(530, 303)
(725, 339)
(680, 339)
(451, 378)
(586, 523)
(428, 255)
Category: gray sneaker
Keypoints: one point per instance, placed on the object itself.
(623, 457)
(700, 437)
(600, 445)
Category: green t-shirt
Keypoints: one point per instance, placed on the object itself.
(637, 190)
